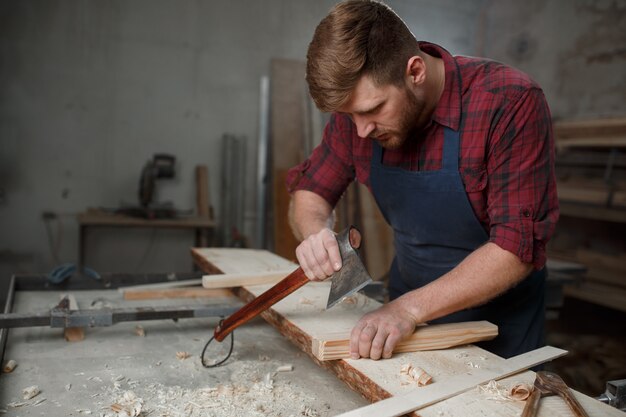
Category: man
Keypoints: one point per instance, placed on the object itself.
(459, 155)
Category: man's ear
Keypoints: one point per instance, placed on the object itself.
(416, 70)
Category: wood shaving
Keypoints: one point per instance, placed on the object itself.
(417, 374)
(9, 366)
(128, 405)
(139, 331)
(30, 392)
(285, 368)
(518, 391)
(521, 391)
(182, 355)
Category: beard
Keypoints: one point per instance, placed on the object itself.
(411, 119)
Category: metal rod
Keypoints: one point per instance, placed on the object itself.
(8, 306)
(63, 318)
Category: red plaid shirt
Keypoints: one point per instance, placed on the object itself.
(506, 156)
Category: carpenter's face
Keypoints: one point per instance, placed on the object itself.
(387, 114)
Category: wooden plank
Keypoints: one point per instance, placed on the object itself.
(199, 292)
(336, 345)
(592, 212)
(586, 128)
(377, 236)
(604, 295)
(302, 315)
(431, 394)
(238, 280)
(597, 142)
(285, 243)
(203, 206)
(287, 95)
(239, 261)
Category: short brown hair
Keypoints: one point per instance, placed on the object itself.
(357, 37)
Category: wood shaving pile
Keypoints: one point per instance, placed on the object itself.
(254, 389)
(494, 391)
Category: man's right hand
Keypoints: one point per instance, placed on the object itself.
(319, 256)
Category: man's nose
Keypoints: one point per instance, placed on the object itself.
(364, 126)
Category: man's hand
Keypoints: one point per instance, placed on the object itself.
(319, 256)
(378, 332)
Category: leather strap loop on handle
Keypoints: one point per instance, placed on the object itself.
(264, 301)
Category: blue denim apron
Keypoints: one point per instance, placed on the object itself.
(435, 228)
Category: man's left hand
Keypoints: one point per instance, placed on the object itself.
(378, 332)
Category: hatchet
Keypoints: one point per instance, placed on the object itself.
(349, 279)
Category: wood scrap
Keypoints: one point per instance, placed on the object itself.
(182, 355)
(332, 346)
(9, 366)
(30, 392)
(140, 331)
(73, 334)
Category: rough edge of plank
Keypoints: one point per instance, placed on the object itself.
(336, 345)
(458, 384)
(239, 280)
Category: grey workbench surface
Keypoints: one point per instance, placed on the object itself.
(114, 363)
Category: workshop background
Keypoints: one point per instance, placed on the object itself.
(91, 90)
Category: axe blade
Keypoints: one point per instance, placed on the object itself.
(352, 276)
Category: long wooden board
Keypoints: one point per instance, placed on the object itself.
(302, 316)
(431, 394)
(336, 345)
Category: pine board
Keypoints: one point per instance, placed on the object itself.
(302, 315)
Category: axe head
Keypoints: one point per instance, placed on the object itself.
(352, 276)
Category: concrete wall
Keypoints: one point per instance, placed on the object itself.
(89, 90)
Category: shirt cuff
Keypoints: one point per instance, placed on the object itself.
(518, 238)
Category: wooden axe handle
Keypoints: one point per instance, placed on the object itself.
(264, 301)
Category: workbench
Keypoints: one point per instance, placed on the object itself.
(202, 227)
(87, 377)
(91, 376)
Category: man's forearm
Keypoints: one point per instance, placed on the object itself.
(308, 214)
(483, 275)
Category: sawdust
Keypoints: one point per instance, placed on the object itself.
(254, 389)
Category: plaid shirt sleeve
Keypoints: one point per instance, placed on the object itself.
(330, 168)
(522, 201)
